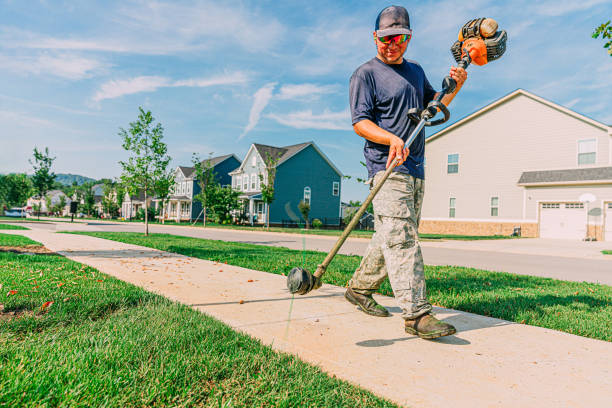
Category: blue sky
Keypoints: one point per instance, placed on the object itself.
(222, 75)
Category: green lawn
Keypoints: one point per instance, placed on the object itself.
(580, 308)
(607, 252)
(16, 240)
(103, 342)
(12, 227)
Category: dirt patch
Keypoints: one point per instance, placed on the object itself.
(15, 314)
(28, 249)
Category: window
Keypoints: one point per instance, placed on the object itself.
(453, 163)
(494, 206)
(260, 207)
(574, 205)
(307, 195)
(245, 183)
(258, 182)
(188, 188)
(587, 151)
(335, 188)
(233, 181)
(253, 182)
(451, 207)
(550, 205)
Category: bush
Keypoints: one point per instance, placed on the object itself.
(141, 215)
(316, 223)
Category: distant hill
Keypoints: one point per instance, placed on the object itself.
(68, 179)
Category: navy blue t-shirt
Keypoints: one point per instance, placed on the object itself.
(383, 93)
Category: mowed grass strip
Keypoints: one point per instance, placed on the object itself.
(72, 336)
(12, 227)
(579, 308)
(17, 241)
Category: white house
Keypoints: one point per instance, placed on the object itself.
(55, 197)
(521, 161)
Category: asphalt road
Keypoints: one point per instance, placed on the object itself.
(503, 256)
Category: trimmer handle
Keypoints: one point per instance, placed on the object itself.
(449, 84)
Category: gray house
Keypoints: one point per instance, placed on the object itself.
(303, 173)
(181, 205)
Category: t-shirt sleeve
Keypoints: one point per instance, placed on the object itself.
(428, 92)
(361, 99)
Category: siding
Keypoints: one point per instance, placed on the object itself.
(307, 168)
(495, 149)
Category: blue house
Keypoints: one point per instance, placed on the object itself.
(181, 205)
(303, 173)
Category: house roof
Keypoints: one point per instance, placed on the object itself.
(568, 176)
(510, 96)
(188, 171)
(286, 152)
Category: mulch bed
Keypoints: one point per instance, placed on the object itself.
(28, 249)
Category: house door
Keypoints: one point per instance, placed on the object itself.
(608, 218)
(562, 220)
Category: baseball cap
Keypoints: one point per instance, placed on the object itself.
(393, 20)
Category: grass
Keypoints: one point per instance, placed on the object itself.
(579, 308)
(12, 227)
(104, 342)
(607, 252)
(17, 241)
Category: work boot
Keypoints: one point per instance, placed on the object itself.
(428, 327)
(366, 303)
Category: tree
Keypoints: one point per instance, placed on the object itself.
(109, 202)
(49, 204)
(89, 200)
(43, 176)
(149, 160)
(267, 183)
(59, 208)
(120, 191)
(605, 30)
(205, 176)
(304, 208)
(223, 202)
(163, 189)
(15, 189)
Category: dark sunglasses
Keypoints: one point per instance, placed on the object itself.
(397, 39)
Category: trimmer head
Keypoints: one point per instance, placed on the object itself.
(300, 281)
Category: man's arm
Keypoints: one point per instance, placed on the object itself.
(459, 75)
(372, 132)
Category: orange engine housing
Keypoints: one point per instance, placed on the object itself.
(477, 49)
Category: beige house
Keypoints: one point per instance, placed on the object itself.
(521, 161)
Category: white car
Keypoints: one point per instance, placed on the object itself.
(15, 212)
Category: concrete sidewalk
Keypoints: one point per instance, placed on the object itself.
(489, 362)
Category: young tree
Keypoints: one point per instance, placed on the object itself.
(149, 160)
(205, 175)
(43, 176)
(59, 208)
(163, 189)
(605, 30)
(120, 191)
(223, 201)
(15, 189)
(109, 201)
(267, 183)
(89, 200)
(304, 208)
(49, 205)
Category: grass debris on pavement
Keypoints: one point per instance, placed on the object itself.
(72, 336)
(579, 308)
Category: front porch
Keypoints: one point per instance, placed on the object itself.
(253, 208)
(177, 208)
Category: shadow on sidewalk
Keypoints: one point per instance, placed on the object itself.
(123, 253)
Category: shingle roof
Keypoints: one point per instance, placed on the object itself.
(569, 175)
(281, 153)
(188, 171)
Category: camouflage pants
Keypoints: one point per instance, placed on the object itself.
(394, 250)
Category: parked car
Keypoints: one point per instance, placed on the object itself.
(15, 212)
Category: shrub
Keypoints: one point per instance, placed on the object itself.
(316, 223)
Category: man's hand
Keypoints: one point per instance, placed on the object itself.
(459, 75)
(397, 153)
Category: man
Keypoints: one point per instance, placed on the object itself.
(381, 92)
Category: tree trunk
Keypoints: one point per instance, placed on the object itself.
(146, 210)
(204, 216)
(267, 217)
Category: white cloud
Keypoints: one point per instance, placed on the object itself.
(305, 119)
(61, 65)
(260, 101)
(116, 88)
(304, 91)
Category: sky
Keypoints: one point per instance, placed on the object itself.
(220, 76)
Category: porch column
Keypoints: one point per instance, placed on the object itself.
(251, 209)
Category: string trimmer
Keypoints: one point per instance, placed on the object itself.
(479, 42)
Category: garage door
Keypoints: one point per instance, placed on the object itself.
(608, 231)
(562, 220)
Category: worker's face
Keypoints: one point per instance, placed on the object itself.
(391, 49)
